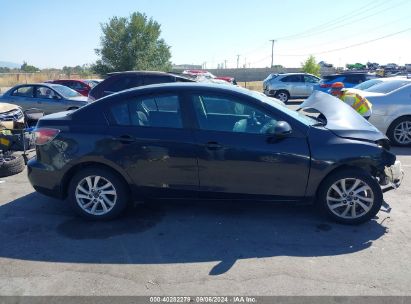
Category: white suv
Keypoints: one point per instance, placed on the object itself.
(285, 86)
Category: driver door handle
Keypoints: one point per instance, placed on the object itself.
(212, 145)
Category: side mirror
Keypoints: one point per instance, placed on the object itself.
(56, 97)
(280, 130)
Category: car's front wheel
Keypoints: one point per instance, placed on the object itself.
(399, 131)
(97, 193)
(350, 196)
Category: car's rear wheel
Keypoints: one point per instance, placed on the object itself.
(399, 131)
(97, 193)
(350, 196)
(282, 95)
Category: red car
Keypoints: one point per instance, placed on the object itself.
(81, 86)
(209, 75)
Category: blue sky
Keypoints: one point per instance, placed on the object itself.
(49, 33)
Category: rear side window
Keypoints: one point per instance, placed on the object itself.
(292, 78)
(310, 79)
(124, 83)
(23, 92)
(160, 111)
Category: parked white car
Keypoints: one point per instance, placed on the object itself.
(391, 109)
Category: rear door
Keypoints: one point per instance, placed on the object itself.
(237, 159)
(22, 96)
(150, 141)
(295, 84)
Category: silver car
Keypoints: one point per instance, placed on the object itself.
(391, 109)
(49, 98)
(290, 85)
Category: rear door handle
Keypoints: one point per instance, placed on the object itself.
(212, 145)
(125, 139)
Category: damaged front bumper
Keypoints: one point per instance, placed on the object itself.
(393, 176)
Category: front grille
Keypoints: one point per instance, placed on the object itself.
(13, 115)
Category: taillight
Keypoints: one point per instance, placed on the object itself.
(325, 85)
(43, 136)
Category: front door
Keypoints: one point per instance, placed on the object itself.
(236, 157)
(48, 100)
(148, 139)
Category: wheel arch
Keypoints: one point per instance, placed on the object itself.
(87, 164)
(365, 167)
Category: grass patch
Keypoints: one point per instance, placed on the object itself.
(253, 85)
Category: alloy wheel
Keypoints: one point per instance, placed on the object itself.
(402, 132)
(350, 198)
(96, 195)
(282, 96)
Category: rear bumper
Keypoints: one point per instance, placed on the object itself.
(394, 175)
(44, 179)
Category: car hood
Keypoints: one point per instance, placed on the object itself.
(342, 120)
(6, 107)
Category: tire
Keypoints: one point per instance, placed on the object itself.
(11, 164)
(282, 95)
(91, 204)
(339, 206)
(400, 129)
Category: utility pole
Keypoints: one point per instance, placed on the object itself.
(238, 60)
(272, 52)
(225, 63)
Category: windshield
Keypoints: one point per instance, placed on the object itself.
(367, 84)
(296, 115)
(65, 91)
(91, 83)
(388, 86)
(271, 76)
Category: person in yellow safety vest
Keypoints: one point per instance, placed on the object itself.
(353, 99)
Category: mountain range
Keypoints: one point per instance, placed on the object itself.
(10, 65)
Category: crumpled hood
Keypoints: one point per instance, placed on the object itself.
(342, 120)
(6, 107)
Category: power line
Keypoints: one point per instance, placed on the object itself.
(362, 18)
(331, 22)
(352, 36)
(349, 46)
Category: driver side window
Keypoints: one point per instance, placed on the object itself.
(45, 93)
(226, 114)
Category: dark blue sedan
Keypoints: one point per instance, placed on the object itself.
(194, 141)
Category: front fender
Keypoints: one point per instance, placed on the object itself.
(330, 152)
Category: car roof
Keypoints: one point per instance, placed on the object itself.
(185, 86)
(46, 84)
(80, 80)
(139, 73)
